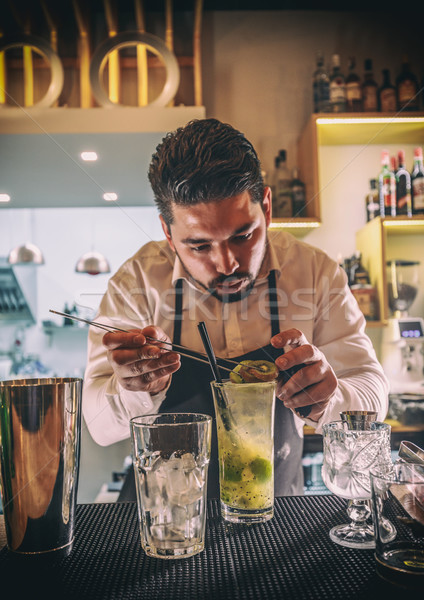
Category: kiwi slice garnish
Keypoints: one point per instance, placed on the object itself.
(252, 371)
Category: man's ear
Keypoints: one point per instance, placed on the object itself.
(267, 205)
(167, 232)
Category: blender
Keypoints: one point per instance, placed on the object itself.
(403, 338)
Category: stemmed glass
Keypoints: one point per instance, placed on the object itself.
(349, 455)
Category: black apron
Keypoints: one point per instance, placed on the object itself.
(190, 392)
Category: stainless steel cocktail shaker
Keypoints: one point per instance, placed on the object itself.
(40, 428)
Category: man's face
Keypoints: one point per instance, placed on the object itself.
(221, 244)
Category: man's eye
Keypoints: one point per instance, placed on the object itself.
(243, 238)
(201, 248)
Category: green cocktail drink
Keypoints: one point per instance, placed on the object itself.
(245, 426)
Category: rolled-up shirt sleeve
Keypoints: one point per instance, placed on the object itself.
(339, 332)
(107, 406)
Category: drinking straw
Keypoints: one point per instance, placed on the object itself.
(225, 413)
(209, 351)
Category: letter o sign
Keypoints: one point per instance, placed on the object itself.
(56, 68)
(121, 40)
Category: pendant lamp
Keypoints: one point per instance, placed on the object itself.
(92, 263)
(28, 254)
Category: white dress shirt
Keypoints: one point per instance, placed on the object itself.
(313, 296)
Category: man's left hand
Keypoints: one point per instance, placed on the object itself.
(314, 383)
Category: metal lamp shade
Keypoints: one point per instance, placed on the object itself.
(92, 263)
(28, 254)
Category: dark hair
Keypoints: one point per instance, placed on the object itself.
(204, 161)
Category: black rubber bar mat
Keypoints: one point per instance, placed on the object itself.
(290, 556)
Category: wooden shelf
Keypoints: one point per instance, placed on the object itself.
(346, 129)
(120, 119)
(373, 240)
(369, 128)
(403, 225)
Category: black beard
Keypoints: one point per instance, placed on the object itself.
(228, 298)
(225, 298)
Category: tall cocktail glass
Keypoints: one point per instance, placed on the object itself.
(245, 427)
(171, 453)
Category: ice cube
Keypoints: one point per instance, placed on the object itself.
(196, 482)
(177, 484)
(179, 524)
(339, 454)
(192, 510)
(188, 462)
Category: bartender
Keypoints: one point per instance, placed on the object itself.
(262, 295)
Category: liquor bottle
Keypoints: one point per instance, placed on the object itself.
(298, 195)
(282, 206)
(393, 167)
(372, 204)
(337, 87)
(386, 187)
(417, 183)
(387, 94)
(321, 87)
(369, 89)
(358, 273)
(403, 187)
(67, 322)
(407, 88)
(353, 89)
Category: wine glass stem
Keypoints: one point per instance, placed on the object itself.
(358, 511)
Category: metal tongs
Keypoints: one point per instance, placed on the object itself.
(410, 453)
(199, 356)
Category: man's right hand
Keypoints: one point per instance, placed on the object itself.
(139, 364)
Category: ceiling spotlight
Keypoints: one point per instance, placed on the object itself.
(89, 156)
(110, 196)
(4, 198)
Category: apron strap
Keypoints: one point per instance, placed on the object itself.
(178, 311)
(273, 303)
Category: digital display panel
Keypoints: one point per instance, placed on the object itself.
(411, 329)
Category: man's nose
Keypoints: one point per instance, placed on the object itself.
(225, 261)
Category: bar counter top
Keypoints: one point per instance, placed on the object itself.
(289, 557)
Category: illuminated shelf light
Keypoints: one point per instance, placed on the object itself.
(4, 198)
(296, 225)
(404, 223)
(368, 120)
